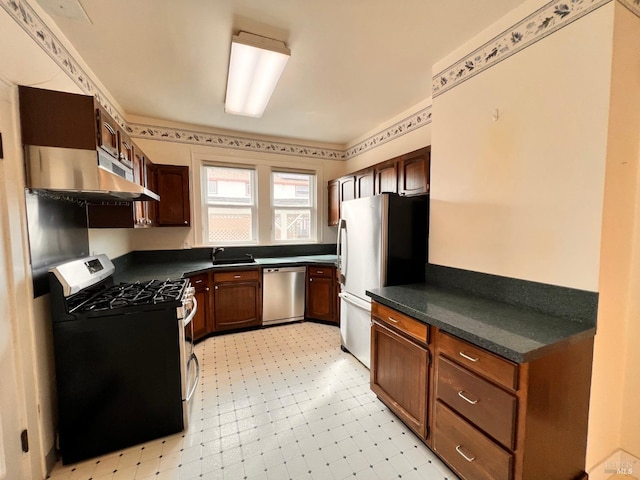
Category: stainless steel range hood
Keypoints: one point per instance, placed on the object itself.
(84, 174)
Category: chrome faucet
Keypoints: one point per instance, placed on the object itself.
(215, 251)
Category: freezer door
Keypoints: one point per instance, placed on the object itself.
(355, 327)
(363, 234)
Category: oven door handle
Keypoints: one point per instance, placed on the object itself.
(192, 313)
(195, 384)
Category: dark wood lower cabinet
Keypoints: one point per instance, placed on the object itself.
(232, 299)
(399, 376)
(237, 299)
(321, 294)
(203, 321)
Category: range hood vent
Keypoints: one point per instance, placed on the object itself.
(83, 174)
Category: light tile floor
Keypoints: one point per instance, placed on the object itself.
(276, 404)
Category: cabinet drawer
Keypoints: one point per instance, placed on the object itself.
(485, 405)
(467, 450)
(480, 361)
(320, 272)
(199, 281)
(400, 321)
(236, 276)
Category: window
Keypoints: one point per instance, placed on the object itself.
(293, 206)
(229, 205)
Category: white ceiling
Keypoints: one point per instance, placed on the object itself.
(354, 63)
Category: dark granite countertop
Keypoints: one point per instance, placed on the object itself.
(153, 269)
(515, 332)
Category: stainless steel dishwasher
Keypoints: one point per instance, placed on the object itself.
(282, 294)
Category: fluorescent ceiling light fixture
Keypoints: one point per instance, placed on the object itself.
(254, 70)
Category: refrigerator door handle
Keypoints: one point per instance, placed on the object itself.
(355, 301)
(342, 225)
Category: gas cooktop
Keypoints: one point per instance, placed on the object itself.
(127, 295)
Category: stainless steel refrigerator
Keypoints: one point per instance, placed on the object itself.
(382, 240)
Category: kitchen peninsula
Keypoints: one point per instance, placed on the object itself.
(508, 376)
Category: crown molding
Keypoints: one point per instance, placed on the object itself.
(196, 137)
(543, 22)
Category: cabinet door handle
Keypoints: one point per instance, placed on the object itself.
(311, 279)
(462, 395)
(198, 281)
(464, 455)
(469, 357)
(206, 289)
(393, 320)
(237, 276)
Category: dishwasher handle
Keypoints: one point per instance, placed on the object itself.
(284, 269)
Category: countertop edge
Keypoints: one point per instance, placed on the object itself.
(518, 356)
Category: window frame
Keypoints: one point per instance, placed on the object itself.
(312, 206)
(253, 205)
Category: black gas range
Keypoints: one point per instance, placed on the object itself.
(125, 364)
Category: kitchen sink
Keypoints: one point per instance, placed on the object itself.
(229, 261)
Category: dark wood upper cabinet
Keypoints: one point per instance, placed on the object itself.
(386, 178)
(333, 198)
(347, 188)
(151, 177)
(125, 147)
(364, 183)
(173, 188)
(413, 172)
(107, 131)
(57, 119)
(406, 175)
(144, 174)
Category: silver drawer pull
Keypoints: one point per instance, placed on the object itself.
(465, 398)
(237, 276)
(464, 455)
(468, 357)
(391, 319)
(319, 271)
(198, 281)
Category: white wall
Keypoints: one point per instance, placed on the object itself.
(522, 196)
(13, 414)
(29, 320)
(614, 420)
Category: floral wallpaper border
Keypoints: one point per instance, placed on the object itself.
(632, 5)
(409, 124)
(179, 135)
(546, 20)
